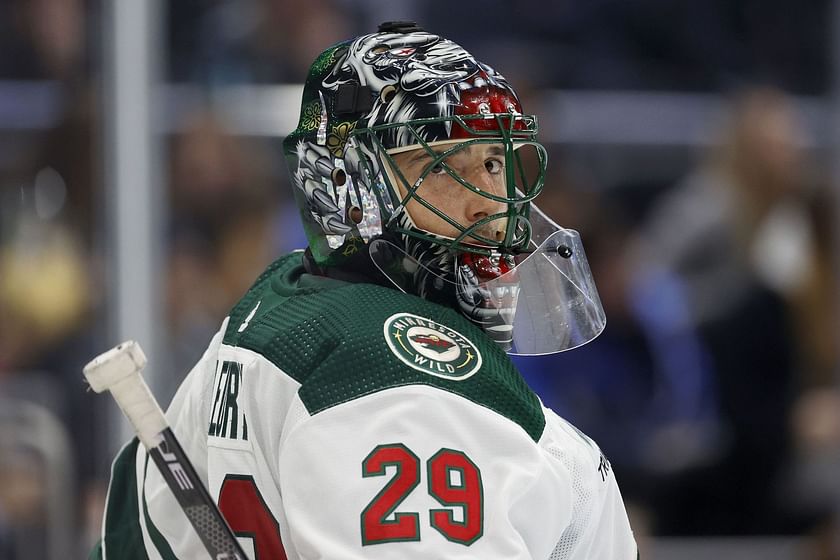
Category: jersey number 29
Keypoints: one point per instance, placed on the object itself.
(453, 480)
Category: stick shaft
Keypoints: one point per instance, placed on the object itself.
(192, 496)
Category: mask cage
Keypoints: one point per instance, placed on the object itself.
(513, 131)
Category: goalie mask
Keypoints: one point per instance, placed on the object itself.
(415, 157)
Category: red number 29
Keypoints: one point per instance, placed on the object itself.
(453, 480)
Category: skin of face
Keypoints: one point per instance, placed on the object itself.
(482, 165)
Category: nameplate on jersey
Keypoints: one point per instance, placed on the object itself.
(227, 420)
(431, 347)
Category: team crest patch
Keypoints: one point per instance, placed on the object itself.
(430, 347)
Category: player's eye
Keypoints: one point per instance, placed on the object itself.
(437, 169)
(494, 166)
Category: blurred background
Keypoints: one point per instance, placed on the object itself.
(692, 142)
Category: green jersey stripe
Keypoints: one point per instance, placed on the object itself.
(122, 535)
(158, 539)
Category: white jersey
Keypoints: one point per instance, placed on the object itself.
(390, 465)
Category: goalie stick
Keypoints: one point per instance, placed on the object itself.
(119, 371)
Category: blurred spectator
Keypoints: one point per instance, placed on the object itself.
(739, 234)
(720, 310)
(739, 219)
(43, 39)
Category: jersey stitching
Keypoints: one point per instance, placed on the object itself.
(313, 412)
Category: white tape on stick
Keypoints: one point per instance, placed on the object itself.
(118, 370)
(112, 366)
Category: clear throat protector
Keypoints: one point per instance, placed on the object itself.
(539, 300)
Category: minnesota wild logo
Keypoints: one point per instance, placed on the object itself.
(430, 347)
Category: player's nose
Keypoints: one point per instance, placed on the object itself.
(478, 206)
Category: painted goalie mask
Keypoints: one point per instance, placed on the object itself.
(415, 157)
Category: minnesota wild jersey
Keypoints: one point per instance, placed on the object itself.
(346, 420)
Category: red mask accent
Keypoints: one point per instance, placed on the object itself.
(484, 267)
(494, 98)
